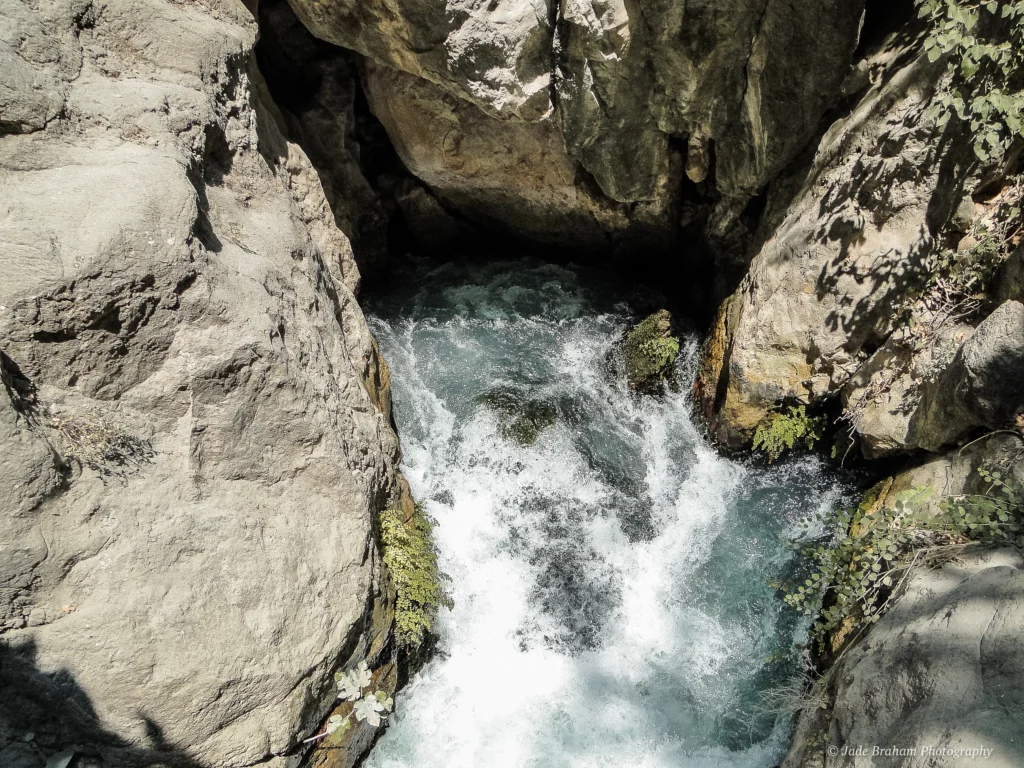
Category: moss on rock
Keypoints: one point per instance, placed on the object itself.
(650, 350)
(411, 560)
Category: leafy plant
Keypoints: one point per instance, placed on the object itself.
(351, 683)
(371, 707)
(993, 517)
(411, 559)
(876, 544)
(852, 573)
(781, 431)
(661, 351)
(984, 42)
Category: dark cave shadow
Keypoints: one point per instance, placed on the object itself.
(60, 716)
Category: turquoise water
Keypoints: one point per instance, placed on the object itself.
(610, 579)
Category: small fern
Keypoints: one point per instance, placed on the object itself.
(780, 432)
(411, 559)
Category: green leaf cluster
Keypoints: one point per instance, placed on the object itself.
(411, 558)
(780, 431)
(993, 517)
(969, 272)
(984, 43)
(854, 574)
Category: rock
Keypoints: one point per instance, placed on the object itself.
(821, 295)
(604, 89)
(521, 418)
(941, 670)
(431, 225)
(194, 423)
(1011, 283)
(982, 387)
(883, 398)
(650, 350)
(509, 174)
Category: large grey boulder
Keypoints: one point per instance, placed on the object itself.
(194, 422)
(942, 671)
(621, 97)
(846, 243)
(906, 398)
(982, 387)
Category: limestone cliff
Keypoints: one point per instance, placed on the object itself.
(845, 301)
(575, 122)
(195, 422)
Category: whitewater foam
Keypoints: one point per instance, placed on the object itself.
(610, 580)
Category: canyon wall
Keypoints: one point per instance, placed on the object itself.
(579, 123)
(195, 429)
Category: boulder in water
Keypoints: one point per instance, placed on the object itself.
(650, 350)
(521, 418)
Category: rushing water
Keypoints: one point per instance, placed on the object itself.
(610, 580)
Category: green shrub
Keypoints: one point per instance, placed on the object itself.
(781, 431)
(984, 42)
(411, 559)
(651, 350)
(993, 517)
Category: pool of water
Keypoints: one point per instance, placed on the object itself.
(610, 577)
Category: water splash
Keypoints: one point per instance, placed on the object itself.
(610, 580)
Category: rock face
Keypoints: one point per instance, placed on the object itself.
(823, 295)
(599, 107)
(194, 421)
(942, 668)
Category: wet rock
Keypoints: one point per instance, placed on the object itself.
(521, 418)
(650, 350)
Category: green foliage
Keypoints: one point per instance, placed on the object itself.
(854, 574)
(968, 272)
(781, 431)
(411, 559)
(651, 351)
(661, 351)
(856, 569)
(993, 517)
(984, 43)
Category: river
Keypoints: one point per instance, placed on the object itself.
(610, 578)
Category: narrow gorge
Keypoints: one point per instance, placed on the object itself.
(407, 383)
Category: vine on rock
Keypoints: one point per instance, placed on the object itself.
(984, 42)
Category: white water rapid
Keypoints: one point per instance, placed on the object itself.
(610, 580)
